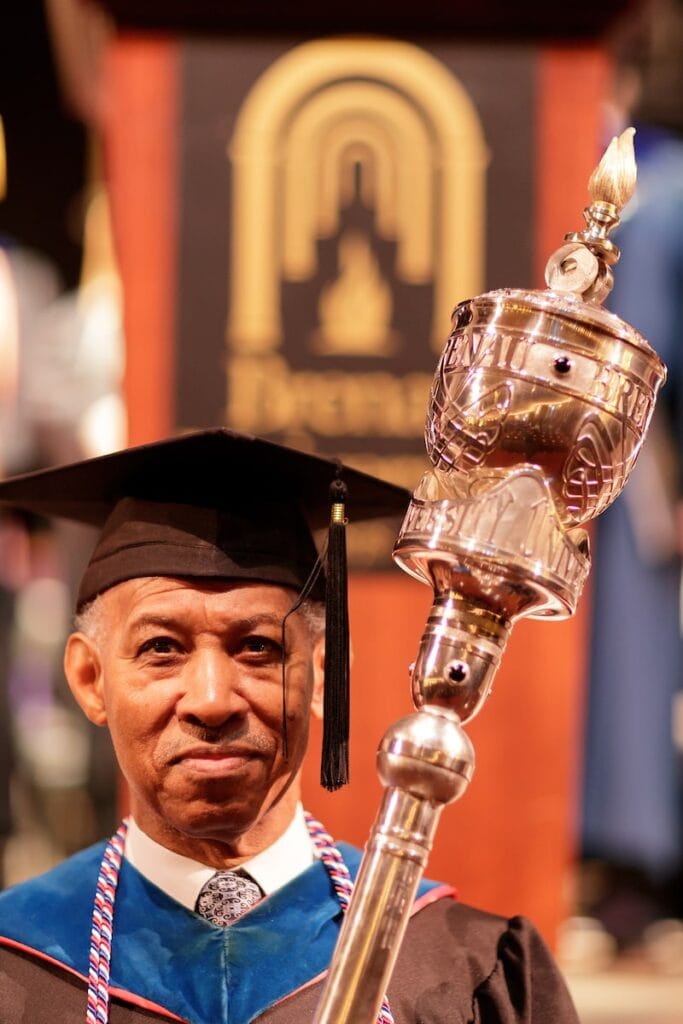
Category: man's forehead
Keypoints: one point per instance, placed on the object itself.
(136, 597)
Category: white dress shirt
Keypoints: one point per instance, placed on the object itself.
(182, 878)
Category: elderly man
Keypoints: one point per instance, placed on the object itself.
(199, 644)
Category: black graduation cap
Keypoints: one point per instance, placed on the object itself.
(223, 505)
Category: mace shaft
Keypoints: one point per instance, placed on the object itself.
(425, 761)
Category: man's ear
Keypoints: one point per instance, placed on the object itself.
(318, 678)
(83, 670)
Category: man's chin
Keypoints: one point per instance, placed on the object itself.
(209, 818)
(215, 811)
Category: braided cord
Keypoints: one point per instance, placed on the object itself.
(101, 932)
(341, 880)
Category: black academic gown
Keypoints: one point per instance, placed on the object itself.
(457, 965)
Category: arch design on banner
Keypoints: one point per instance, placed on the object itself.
(339, 118)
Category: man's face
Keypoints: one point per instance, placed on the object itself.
(190, 685)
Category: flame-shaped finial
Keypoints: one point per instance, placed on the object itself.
(583, 265)
(614, 179)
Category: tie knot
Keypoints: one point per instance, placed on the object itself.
(226, 896)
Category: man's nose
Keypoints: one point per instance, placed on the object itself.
(210, 689)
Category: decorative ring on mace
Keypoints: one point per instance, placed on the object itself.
(539, 406)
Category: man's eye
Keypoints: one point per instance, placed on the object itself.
(159, 645)
(262, 645)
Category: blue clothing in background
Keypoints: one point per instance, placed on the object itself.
(632, 813)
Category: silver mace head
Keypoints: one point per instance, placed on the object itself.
(538, 408)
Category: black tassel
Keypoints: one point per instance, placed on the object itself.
(334, 769)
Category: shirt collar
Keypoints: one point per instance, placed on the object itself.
(182, 878)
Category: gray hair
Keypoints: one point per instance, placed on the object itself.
(89, 619)
(313, 614)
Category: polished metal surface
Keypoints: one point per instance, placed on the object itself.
(458, 655)
(538, 409)
(425, 761)
(539, 406)
(542, 380)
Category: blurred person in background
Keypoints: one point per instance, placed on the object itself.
(633, 800)
(61, 361)
(28, 285)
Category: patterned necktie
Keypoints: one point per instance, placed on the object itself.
(226, 896)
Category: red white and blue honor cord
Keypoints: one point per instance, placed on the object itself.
(103, 913)
(102, 928)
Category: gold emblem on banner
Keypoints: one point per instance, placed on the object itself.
(311, 118)
(383, 125)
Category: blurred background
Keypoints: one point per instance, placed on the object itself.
(245, 215)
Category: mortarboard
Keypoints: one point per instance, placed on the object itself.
(223, 505)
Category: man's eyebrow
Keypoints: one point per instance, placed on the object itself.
(160, 621)
(258, 619)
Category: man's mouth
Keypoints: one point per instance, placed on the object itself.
(214, 760)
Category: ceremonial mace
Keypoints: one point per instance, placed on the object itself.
(539, 406)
